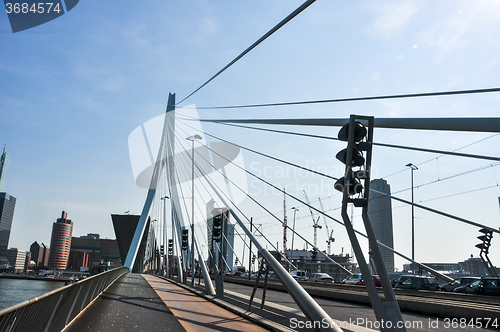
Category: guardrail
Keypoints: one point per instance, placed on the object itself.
(55, 310)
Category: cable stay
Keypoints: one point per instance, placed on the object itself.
(325, 175)
(339, 100)
(251, 47)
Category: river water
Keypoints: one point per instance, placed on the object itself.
(13, 291)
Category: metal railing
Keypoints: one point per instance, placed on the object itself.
(53, 311)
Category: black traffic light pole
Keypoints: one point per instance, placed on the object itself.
(386, 309)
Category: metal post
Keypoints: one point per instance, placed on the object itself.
(386, 309)
(250, 256)
(192, 213)
(192, 139)
(413, 168)
(165, 265)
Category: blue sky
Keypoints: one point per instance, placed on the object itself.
(73, 89)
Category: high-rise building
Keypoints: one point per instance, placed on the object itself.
(40, 254)
(60, 242)
(4, 163)
(380, 214)
(17, 259)
(7, 205)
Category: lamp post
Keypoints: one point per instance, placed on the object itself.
(293, 228)
(192, 139)
(164, 239)
(413, 168)
(153, 252)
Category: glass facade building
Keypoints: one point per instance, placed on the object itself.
(4, 163)
(380, 214)
(7, 205)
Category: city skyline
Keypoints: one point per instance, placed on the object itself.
(74, 89)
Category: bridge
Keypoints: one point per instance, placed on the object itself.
(207, 212)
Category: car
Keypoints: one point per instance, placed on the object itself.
(397, 280)
(450, 287)
(299, 275)
(470, 288)
(320, 277)
(419, 282)
(352, 278)
(484, 286)
(376, 280)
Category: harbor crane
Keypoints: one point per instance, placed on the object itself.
(328, 233)
(316, 225)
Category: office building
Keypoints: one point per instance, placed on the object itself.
(90, 250)
(60, 242)
(125, 226)
(40, 254)
(380, 214)
(4, 163)
(7, 205)
(227, 236)
(17, 259)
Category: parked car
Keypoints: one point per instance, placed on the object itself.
(320, 277)
(376, 280)
(450, 287)
(352, 278)
(299, 275)
(397, 280)
(419, 282)
(484, 286)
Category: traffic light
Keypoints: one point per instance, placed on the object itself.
(185, 236)
(236, 261)
(314, 256)
(217, 227)
(161, 250)
(170, 247)
(357, 144)
(486, 238)
(253, 259)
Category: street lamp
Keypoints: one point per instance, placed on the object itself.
(293, 228)
(413, 168)
(153, 252)
(164, 239)
(192, 139)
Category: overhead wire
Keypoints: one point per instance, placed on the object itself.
(251, 47)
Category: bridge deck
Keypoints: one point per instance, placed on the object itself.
(146, 303)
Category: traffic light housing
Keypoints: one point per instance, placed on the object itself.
(185, 236)
(162, 251)
(170, 247)
(217, 227)
(355, 181)
(314, 256)
(486, 238)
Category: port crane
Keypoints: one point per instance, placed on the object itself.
(316, 224)
(328, 233)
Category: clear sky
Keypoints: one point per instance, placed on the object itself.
(73, 89)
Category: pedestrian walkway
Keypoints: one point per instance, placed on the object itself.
(129, 304)
(196, 313)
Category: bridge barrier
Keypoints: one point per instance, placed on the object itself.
(53, 311)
